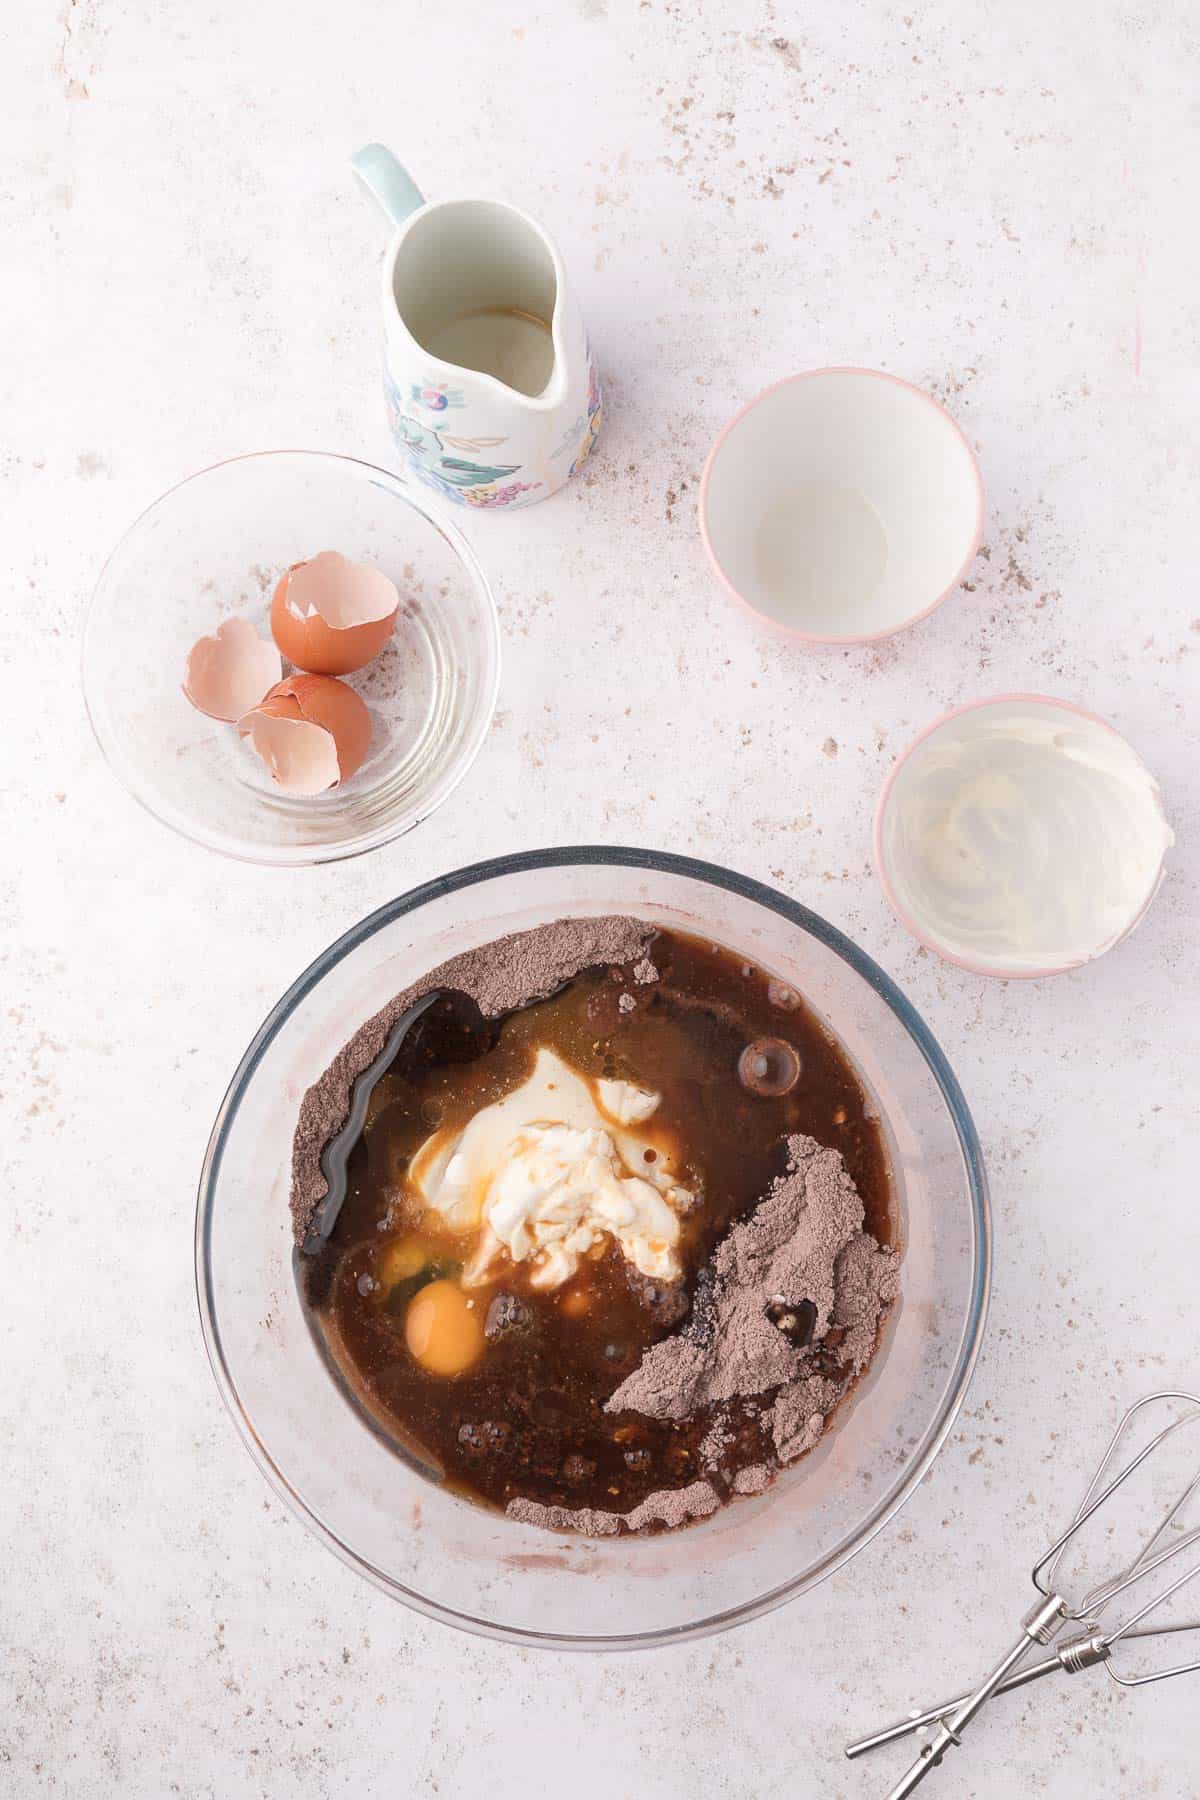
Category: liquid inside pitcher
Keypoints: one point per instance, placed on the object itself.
(514, 346)
(474, 286)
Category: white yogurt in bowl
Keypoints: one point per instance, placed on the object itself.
(1021, 836)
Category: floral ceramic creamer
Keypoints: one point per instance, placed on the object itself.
(491, 391)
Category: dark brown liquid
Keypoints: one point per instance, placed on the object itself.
(527, 1419)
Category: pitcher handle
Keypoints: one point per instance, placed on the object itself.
(386, 182)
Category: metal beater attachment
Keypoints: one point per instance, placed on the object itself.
(1162, 1553)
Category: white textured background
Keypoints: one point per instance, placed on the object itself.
(995, 200)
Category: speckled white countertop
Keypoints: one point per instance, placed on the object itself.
(989, 199)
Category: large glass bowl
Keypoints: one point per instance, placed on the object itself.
(455, 1560)
(216, 545)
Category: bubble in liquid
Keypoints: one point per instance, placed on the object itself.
(769, 1067)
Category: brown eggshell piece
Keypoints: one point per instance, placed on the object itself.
(302, 758)
(230, 671)
(331, 616)
(320, 701)
(275, 706)
(324, 701)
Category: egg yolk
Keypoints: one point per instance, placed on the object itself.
(402, 1259)
(444, 1333)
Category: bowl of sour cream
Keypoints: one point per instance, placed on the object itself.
(1020, 836)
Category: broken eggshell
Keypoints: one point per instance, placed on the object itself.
(331, 616)
(311, 731)
(230, 671)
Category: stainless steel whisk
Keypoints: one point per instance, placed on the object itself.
(1095, 1641)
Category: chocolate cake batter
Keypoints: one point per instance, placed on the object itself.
(620, 1403)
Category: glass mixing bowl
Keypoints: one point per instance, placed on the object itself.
(217, 544)
(455, 1560)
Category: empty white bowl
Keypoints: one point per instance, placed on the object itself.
(841, 505)
(1020, 836)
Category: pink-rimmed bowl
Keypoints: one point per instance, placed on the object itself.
(1064, 713)
(841, 505)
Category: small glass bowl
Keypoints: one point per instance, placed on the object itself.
(461, 1562)
(216, 545)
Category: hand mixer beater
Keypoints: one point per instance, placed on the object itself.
(1166, 1559)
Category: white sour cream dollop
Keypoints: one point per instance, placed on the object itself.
(1022, 837)
(547, 1171)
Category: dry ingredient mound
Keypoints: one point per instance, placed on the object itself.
(801, 1260)
(499, 976)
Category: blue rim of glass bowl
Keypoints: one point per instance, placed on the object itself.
(663, 862)
(309, 856)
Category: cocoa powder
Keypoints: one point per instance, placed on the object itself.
(669, 1507)
(804, 1243)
